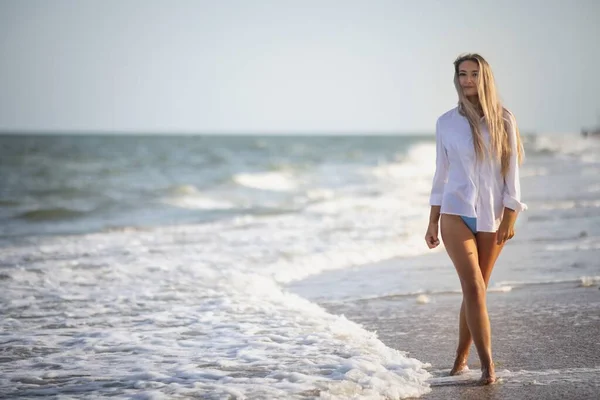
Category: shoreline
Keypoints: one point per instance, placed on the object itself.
(545, 340)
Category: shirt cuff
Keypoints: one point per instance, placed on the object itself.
(435, 200)
(514, 204)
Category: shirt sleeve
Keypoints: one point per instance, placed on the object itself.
(511, 194)
(441, 169)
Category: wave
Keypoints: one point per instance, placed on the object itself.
(182, 190)
(565, 204)
(251, 337)
(417, 163)
(65, 192)
(274, 181)
(570, 145)
(197, 203)
(524, 378)
(423, 296)
(51, 214)
(584, 242)
(583, 281)
(189, 197)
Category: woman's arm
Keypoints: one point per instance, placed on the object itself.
(437, 190)
(441, 169)
(511, 194)
(431, 236)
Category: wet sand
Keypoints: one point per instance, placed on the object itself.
(545, 338)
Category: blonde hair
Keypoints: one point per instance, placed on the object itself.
(498, 119)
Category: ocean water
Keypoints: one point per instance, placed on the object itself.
(179, 266)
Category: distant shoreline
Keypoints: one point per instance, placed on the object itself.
(223, 133)
(417, 134)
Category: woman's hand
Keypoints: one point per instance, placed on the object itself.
(431, 237)
(506, 230)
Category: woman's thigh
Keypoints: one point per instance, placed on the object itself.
(488, 251)
(461, 246)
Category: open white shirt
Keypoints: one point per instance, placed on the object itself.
(462, 185)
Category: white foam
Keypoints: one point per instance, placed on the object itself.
(197, 202)
(423, 299)
(595, 188)
(275, 181)
(319, 193)
(584, 281)
(521, 377)
(551, 376)
(558, 205)
(201, 328)
(588, 281)
(416, 164)
(197, 309)
(500, 289)
(189, 197)
(568, 204)
(563, 144)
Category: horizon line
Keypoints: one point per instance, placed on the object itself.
(15, 132)
(103, 132)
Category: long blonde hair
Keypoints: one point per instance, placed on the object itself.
(498, 119)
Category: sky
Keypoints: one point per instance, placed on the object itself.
(237, 66)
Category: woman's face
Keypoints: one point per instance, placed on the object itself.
(468, 74)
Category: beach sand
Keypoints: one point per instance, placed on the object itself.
(545, 338)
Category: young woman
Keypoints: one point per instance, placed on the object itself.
(476, 197)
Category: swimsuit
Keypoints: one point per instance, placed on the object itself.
(471, 222)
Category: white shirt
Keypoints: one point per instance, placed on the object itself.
(464, 186)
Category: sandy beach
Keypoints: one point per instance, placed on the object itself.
(546, 337)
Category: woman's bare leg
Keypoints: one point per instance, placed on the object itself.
(462, 249)
(488, 251)
(464, 344)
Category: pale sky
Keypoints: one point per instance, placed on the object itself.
(290, 66)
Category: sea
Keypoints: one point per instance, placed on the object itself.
(197, 266)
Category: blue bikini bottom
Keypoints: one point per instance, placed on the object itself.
(471, 223)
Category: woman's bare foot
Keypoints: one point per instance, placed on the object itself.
(488, 376)
(460, 367)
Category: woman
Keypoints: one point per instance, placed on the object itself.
(476, 196)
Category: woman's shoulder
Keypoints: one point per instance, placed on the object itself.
(447, 119)
(510, 122)
(448, 114)
(508, 115)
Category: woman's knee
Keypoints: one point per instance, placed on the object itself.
(474, 290)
